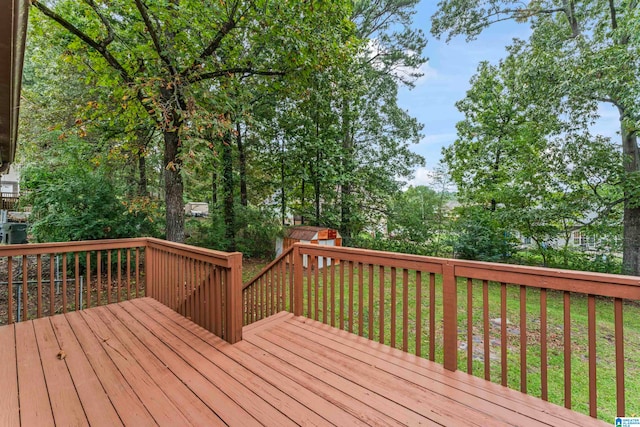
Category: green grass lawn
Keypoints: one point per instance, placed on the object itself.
(355, 304)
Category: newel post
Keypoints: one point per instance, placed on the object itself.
(297, 280)
(233, 300)
(450, 316)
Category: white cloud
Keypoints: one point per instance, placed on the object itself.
(429, 74)
(422, 176)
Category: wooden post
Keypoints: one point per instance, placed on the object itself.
(148, 275)
(450, 317)
(233, 300)
(297, 280)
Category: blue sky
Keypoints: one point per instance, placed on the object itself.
(446, 80)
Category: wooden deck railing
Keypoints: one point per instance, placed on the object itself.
(201, 284)
(9, 201)
(516, 325)
(44, 279)
(269, 292)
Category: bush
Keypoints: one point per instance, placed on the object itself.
(71, 202)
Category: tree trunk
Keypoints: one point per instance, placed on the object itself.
(173, 187)
(214, 188)
(142, 176)
(302, 202)
(631, 221)
(243, 165)
(316, 188)
(347, 168)
(283, 194)
(227, 185)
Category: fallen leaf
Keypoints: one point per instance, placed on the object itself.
(62, 355)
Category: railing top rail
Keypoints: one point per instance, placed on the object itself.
(268, 267)
(79, 246)
(223, 259)
(611, 285)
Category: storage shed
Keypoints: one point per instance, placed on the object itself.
(307, 234)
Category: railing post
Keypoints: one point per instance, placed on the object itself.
(450, 317)
(233, 300)
(297, 280)
(148, 268)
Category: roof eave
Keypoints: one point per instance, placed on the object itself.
(13, 33)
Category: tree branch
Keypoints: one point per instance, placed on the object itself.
(105, 22)
(97, 46)
(142, 8)
(239, 70)
(210, 49)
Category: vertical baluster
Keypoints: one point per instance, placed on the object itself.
(432, 316)
(309, 286)
(360, 299)
(119, 272)
(217, 280)
(523, 339)
(64, 283)
(76, 258)
(52, 297)
(88, 284)
(593, 408)
(325, 296)
(619, 337)
(419, 313)
(333, 292)
(137, 273)
(543, 345)
(381, 304)
(370, 326)
(316, 286)
(486, 338)
(342, 295)
(39, 290)
(274, 280)
(259, 293)
(25, 288)
(209, 301)
(99, 277)
(291, 276)
(567, 350)
(503, 333)
(393, 307)
(405, 310)
(199, 292)
(156, 294)
(9, 290)
(469, 326)
(128, 273)
(350, 304)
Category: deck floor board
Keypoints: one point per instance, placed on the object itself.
(139, 363)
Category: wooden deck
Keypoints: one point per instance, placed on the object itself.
(139, 363)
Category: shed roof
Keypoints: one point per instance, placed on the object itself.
(304, 232)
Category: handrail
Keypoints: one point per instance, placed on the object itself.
(268, 267)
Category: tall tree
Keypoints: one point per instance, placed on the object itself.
(157, 52)
(591, 56)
